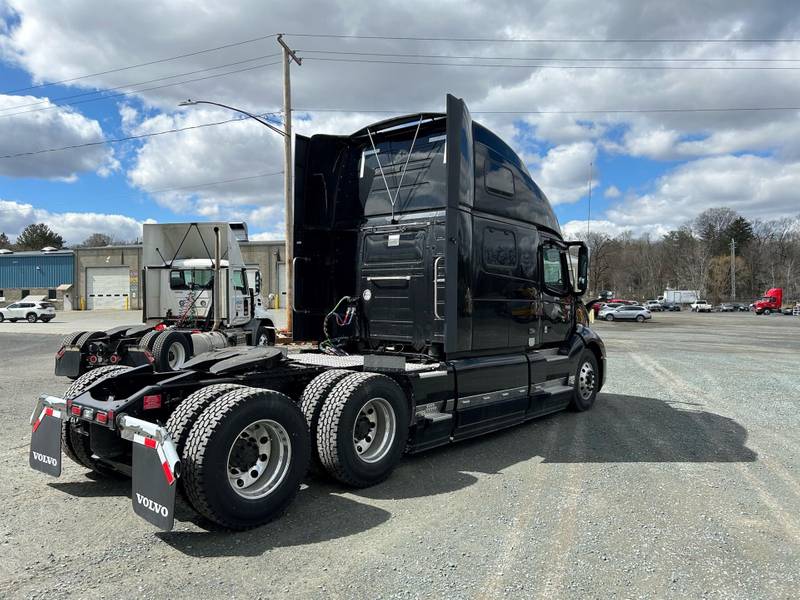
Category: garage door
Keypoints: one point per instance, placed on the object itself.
(107, 287)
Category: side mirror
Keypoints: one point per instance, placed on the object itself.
(258, 282)
(581, 283)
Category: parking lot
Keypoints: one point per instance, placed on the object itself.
(682, 482)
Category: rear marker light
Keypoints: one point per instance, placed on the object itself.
(92, 358)
(101, 417)
(152, 402)
(76, 410)
(114, 359)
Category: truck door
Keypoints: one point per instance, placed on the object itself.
(557, 301)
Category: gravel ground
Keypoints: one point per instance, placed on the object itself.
(682, 482)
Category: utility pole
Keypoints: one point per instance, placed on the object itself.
(733, 269)
(288, 57)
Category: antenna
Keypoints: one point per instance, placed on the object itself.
(589, 209)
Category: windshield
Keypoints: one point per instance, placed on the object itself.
(767, 299)
(189, 279)
(421, 187)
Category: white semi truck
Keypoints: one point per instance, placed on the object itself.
(199, 295)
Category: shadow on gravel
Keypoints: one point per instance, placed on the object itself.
(94, 487)
(316, 515)
(619, 429)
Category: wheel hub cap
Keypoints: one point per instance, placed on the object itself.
(586, 380)
(259, 459)
(374, 430)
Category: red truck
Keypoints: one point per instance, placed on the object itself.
(772, 301)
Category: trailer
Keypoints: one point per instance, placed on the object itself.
(198, 296)
(431, 270)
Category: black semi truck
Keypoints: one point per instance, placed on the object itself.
(430, 270)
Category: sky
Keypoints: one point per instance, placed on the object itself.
(638, 96)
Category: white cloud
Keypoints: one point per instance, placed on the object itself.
(612, 191)
(51, 128)
(74, 227)
(563, 173)
(755, 186)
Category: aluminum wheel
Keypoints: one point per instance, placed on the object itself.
(259, 459)
(374, 430)
(263, 339)
(176, 356)
(586, 380)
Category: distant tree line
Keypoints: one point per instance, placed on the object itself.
(39, 235)
(697, 256)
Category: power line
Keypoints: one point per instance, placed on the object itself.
(130, 137)
(540, 66)
(144, 64)
(555, 59)
(119, 87)
(133, 92)
(211, 183)
(566, 112)
(552, 40)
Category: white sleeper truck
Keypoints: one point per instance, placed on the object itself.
(198, 296)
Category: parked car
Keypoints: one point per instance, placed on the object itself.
(627, 312)
(600, 306)
(700, 306)
(29, 311)
(671, 306)
(726, 307)
(653, 306)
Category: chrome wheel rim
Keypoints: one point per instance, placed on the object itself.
(259, 459)
(176, 356)
(586, 380)
(263, 340)
(374, 430)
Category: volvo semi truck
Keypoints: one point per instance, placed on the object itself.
(198, 296)
(431, 276)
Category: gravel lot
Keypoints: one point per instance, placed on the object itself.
(682, 482)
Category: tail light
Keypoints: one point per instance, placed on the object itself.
(114, 358)
(92, 359)
(75, 410)
(152, 402)
(101, 417)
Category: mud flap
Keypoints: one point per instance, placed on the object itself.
(154, 470)
(68, 364)
(45, 450)
(153, 486)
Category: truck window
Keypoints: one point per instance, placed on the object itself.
(423, 185)
(185, 279)
(498, 179)
(238, 281)
(554, 269)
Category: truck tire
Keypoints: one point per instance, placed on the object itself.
(311, 402)
(265, 336)
(767, 311)
(71, 338)
(184, 416)
(363, 428)
(170, 350)
(586, 382)
(148, 339)
(76, 445)
(245, 458)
